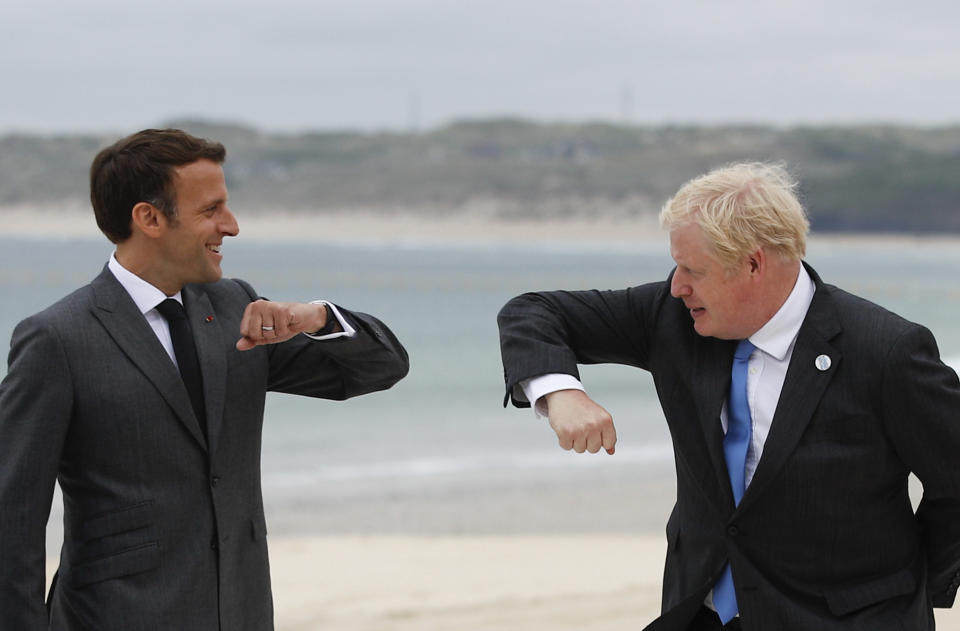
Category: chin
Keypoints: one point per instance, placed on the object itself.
(211, 276)
(702, 329)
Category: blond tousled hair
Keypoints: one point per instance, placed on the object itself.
(741, 207)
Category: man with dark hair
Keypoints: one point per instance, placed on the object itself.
(797, 413)
(141, 168)
(143, 394)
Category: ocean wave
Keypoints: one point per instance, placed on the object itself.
(467, 464)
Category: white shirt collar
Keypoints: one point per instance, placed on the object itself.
(777, 335)
(144, 295)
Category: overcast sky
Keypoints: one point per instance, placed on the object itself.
(396, 64)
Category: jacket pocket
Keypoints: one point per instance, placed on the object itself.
(132, 517)
(114, 544)
(849, 598)
(136, 560)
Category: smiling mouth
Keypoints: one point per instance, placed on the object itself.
(214, 248)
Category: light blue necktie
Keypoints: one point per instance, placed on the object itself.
(735, 445)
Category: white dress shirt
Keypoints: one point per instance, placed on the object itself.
(147, 297)
(768, 364)
(766, 370)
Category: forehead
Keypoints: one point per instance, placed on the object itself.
(688, 244)
(199, 182)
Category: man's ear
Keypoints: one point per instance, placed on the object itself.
(148, 219)
(757, 262)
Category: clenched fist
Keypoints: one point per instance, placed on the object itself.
(580, 424)
(267, 322)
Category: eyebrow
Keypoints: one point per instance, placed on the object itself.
(213, 203)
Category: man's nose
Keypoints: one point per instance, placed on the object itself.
(678, 287)
(228, 224)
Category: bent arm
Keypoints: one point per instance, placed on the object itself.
(551, 332)
(922, 410)
(35, 403)
(341, 368)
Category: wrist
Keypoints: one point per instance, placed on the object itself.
(329, 321)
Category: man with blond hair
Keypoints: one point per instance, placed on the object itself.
(797, 412)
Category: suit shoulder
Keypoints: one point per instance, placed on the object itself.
(230, 289)
(65, 311)
(649, 294)
(857, 311)
(872, 331)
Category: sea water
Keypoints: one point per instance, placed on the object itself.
(441, 301)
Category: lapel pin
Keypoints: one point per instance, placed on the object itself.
(208, 319)
(822, 362)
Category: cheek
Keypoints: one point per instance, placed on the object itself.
(731, 300)
(708, 295)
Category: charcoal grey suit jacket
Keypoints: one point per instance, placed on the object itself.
(163, 528)
(825, 537)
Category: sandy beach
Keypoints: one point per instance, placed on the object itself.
(519, 583)
(405, 227)
(555, 550)
(75, 220)
(507, 583)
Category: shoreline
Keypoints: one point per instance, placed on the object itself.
(407, 228)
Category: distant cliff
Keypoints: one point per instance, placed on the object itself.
(871, 178)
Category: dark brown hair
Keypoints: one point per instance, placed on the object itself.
(140, 168)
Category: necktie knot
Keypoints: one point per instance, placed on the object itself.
(171, 310)
(744, 349)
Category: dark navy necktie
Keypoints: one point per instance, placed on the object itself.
(186, 353)
(735, 445)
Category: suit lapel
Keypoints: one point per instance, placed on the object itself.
(208, 337)
(803, 387)
(123, 321)
(713, 361)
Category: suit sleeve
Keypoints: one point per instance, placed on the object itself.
(922, 410)
(341, 368)
(552, 332)
(35, 404)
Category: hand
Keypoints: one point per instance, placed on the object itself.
(580, 424)
(266, 322)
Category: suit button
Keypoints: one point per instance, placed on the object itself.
(214, 481)
(213, 544)
(733, 531)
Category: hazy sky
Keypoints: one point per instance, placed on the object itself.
(371, 64)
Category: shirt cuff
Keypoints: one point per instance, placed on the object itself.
(536, 388)
(348, 331)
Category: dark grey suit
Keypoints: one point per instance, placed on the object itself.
(162, 529)
(825, 538)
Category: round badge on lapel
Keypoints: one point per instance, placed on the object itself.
(822, 362)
